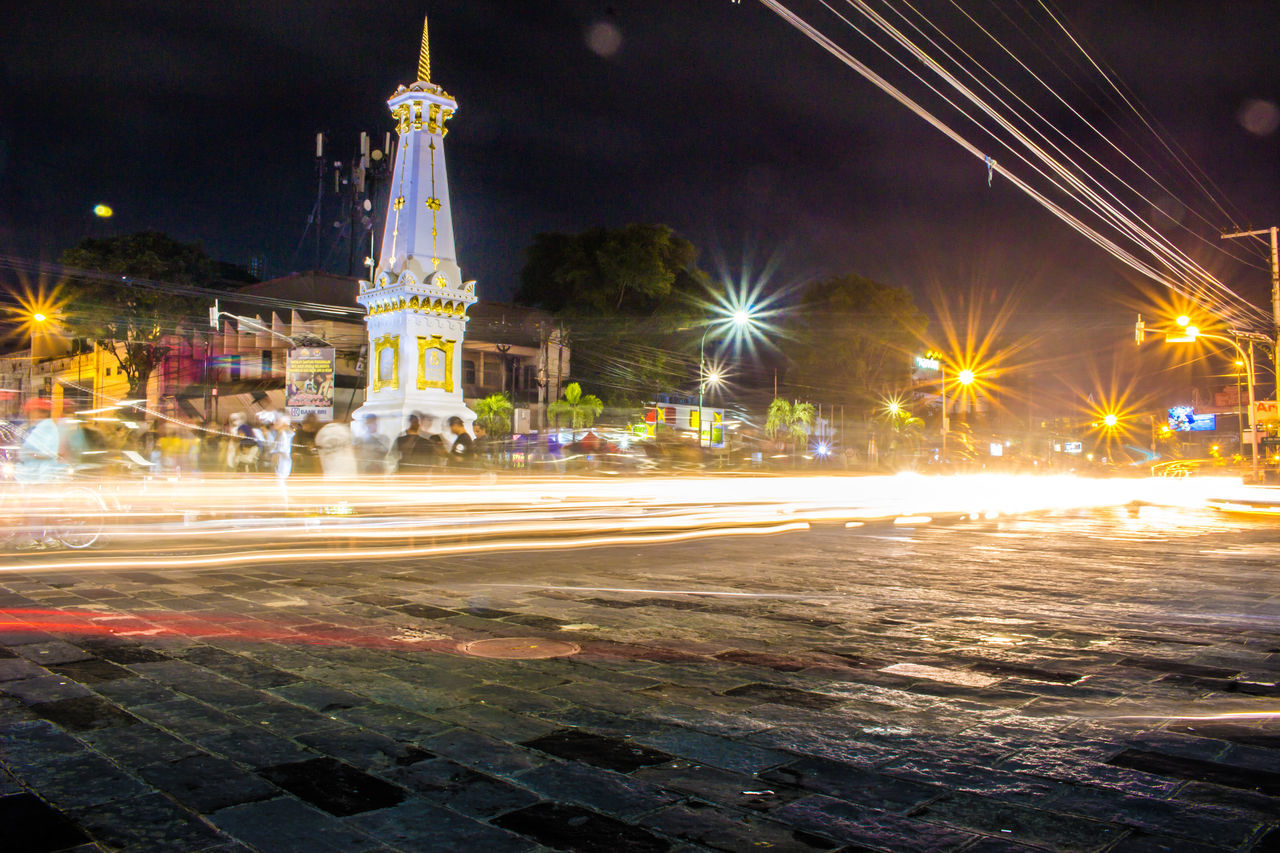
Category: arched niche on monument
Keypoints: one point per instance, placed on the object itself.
(435, 363)
(386, 362)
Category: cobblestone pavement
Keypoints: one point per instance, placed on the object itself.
(1097, 682)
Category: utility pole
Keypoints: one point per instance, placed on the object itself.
(1275, 286)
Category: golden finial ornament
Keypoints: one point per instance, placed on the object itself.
(424, 58)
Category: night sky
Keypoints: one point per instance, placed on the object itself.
(198, 119)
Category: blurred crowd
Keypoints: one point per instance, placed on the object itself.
(39, 449)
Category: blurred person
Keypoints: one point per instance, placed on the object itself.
(282, 447)
(371, 448)
(414, 452)
(38, 455)
(305, 458)
(480, 445)
(145, 441)
(335, 450)
(462, 452)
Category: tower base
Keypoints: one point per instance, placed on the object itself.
(393, 417)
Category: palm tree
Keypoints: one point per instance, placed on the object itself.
(789, 420)
(494, 414)
(581, 410)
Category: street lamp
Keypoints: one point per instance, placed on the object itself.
(741, 318)
(37, 320)
(1191, 333)
(964, 378)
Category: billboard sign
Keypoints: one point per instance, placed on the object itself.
(309, 382)
(1185, 419)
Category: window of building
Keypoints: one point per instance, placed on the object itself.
(266, 362)
(468, 372)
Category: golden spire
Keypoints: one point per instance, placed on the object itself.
(424, 58)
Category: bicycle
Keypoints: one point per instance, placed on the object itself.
(71, 515)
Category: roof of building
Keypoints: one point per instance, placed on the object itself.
(496, 322)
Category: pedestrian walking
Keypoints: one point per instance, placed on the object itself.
(414, 452)
(282, 447)
(371, 447)
(462, 452)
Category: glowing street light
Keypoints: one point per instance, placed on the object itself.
(965, 377)
(739, 320)
(1190, 334)
(1111, 420)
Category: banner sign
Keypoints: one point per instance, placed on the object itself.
(309, 378)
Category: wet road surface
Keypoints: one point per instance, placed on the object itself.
(1100, 680)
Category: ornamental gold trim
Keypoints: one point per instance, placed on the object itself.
(437, 347)
(381, 343)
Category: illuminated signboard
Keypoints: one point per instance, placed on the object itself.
(1073, 447)
(1185, 419)
(927, 363)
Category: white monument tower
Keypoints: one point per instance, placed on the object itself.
(417, 302)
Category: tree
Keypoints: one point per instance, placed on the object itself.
(789, 421)
(851, 339)
(581, 410)
(623, 292)
(494, 414)
(136, 324)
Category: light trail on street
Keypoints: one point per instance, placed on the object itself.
(222, 522)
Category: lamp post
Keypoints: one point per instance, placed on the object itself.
(741, 318)
(38, 320)
(1191, 333)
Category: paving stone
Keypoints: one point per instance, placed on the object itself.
(138, 745)
(1160, 816)
(608, 792)
(1263, 782)
(418, 825)
(48, 688)
(496, 721)
(130, 692)
(242, 669)
(91, 671)
(83, 780)
(732, 832)
(785, 696)
(720, 786)
(284, 718)
(867, 829)
(846, 782)
(393, 722)
(20, 669)
(207, 784)
(1231, 798)
(319, 697)
(83, 713)
(716, 751)
(483, 753)
(609, 753)
(284, 825)
(962, 773)
(1140, 842)
(566, 827)
(364, 749)
(447, 783)
(249, 745)
(119, 651)
(31, 826)
(334, 786)
(50, 651)
(1033, 826)
(36, 743)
